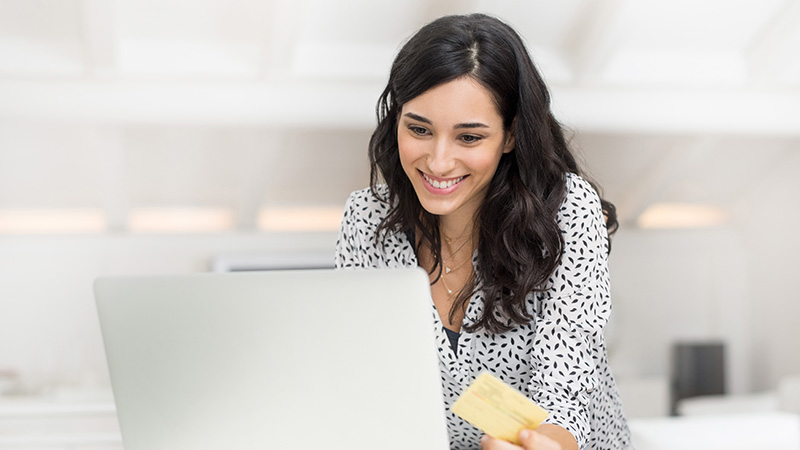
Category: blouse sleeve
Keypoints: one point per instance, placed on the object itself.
(347, 243)
(571, 315)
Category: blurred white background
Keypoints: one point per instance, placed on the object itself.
(144, 136)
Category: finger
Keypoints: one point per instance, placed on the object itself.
(490, 443)
(531, 440)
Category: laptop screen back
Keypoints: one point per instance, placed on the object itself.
(279, 359)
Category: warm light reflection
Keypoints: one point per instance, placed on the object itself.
(52, 221)
(682, 215)
(327, 218)
(180, 220)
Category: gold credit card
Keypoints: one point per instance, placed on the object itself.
(498, 409)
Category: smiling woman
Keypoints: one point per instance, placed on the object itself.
(450, 140)
(472, 180)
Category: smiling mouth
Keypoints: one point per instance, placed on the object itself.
(443, 184)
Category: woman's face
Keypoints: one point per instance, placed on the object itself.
(451, 139)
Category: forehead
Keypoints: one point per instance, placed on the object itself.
(456, 101)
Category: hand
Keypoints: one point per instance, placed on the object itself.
(530, 440)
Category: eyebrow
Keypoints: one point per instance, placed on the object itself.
(457, 126)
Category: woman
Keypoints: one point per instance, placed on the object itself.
(480, 189)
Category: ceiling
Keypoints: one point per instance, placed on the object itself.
(246, 106)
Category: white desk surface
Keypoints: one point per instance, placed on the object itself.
(762, 431)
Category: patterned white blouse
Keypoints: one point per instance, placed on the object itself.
(558, 359)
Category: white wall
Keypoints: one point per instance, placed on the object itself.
(738, 284)
(48, 325)
(773, 248)
(675, 285)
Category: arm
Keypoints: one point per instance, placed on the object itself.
(569, 351)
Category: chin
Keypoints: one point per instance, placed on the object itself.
(437, 208)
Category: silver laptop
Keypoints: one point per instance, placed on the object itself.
(273, 360)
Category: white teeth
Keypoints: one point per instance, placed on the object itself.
(442, 184)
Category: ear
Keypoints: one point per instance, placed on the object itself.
(511, 137)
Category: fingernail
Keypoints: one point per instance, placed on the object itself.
(523, 435)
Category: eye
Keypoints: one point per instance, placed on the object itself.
(470, 138)
(420, 131)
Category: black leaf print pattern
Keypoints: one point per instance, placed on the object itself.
(559, 360)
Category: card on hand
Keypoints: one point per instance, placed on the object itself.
(498, 409)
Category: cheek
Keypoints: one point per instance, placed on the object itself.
(408, 150)
(486, 162)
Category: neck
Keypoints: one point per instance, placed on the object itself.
(458, 241)
(455, 230)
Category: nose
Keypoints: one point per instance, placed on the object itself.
(440, 158)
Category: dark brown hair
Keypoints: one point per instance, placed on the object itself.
(519, 241)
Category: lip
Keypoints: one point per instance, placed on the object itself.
(441, 191)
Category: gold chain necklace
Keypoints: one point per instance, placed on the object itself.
(447, 269)
(452, 255)
(449, 291)
(453, 269)
(443, 277)
(451, 240)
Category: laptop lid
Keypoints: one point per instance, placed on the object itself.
(273, 360)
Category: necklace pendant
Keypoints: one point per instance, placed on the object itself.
(450, 292)
(447, 269)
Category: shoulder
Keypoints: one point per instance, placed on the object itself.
(581, 206)
(579, 192)
(367, 207)
(368, 194)
(359, 243)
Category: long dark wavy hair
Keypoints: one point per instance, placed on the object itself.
(519, 241)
